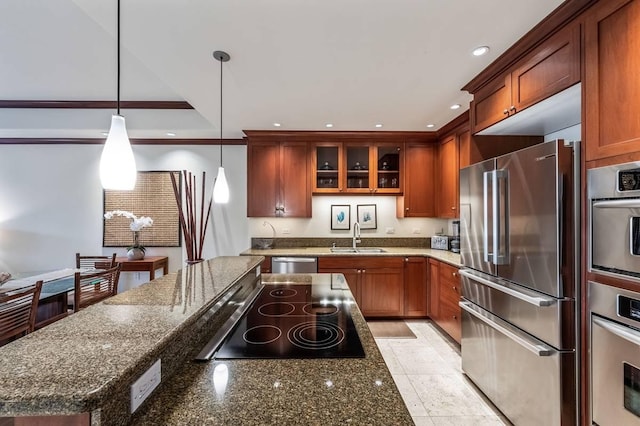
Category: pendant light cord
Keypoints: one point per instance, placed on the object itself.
(220, 112)
(118, 61)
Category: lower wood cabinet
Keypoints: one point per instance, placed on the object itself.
(445, 294)
(265, 266)
(416, 289)
(376, 282)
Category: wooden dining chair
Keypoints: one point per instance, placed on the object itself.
(93, 287)
(18, 310)
(95, 262)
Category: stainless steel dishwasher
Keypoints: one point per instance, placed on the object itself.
(294, 265)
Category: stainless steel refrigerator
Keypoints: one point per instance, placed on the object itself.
(519, 242)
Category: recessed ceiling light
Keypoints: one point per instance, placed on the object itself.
(277, 124)
(105, 133)
(328, 125)
(170, 134)
(455, 106)
(431, 125)
(378, 125)
(480, 50)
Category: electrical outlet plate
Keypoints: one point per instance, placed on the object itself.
(144, 386)
(390, 230)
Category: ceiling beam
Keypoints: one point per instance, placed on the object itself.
(36, 104)
(134, 141)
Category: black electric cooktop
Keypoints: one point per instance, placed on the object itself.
(290, 321)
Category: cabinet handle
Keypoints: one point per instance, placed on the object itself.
(512, 108)
(406, 259)
(454, 288)
(455, 274)
(453, 208)
(406, 209)
(455, 317)
(505, 112)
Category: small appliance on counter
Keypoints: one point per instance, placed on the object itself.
(441, 242)
(455, 241)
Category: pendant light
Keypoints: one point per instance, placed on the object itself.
(117, 165)
(221, 187)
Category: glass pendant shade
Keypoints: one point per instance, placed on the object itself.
(221, 188)
(117, 165)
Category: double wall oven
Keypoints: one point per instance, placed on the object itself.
(614, 313)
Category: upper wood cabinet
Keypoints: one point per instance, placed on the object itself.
(358, 168)
(278, 179)
(611, 92)
(447, 198)
(418, 199)
(548, 69)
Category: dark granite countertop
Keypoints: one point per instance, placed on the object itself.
(88, 360)
(86, 363)
(358, 391)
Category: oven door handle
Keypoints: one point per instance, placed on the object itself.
(519, 338)
(533, 300)
(621, 331)
(633, 203)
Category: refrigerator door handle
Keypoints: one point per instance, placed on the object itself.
(520, 338)
(486, 177)
(500, 198)
(533, 300)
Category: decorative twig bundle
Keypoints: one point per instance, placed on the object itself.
(188, 214)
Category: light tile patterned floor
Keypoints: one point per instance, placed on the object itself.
(427, 373)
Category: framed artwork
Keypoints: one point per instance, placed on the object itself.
(152, 197)
(367, 216)
(340, 217)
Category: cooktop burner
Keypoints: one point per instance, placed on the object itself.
(295, 321)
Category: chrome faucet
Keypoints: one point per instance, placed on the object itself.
(356, 234)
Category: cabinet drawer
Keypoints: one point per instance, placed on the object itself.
(449, 319)
(449, 273)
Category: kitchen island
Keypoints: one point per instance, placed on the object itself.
(81, 368)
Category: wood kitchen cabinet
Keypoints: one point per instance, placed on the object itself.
(548, 69)
(377, 281)
(278, 183)
(611, 87)
(447, 198)
(418, 198)
(445, 294)
(416, 289)
(358, 168)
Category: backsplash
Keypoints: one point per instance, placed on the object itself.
(319, 226)
(342, 242)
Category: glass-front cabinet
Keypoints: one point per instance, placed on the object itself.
(357, 167)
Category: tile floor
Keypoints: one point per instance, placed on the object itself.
(427, 373)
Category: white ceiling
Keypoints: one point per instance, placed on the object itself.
(353, 63)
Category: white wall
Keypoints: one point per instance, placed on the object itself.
(51, 202)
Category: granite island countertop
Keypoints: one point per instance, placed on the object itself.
(87, 361)
(442, 255)
(358, 391)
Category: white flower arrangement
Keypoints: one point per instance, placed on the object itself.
(137, 223)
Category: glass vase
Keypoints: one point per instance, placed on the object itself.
(135, 252)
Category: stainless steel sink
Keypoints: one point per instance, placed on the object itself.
(342, 250)
(370, 250)
(358, 250)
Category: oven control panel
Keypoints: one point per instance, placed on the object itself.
(629, 180)
(629, 308)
